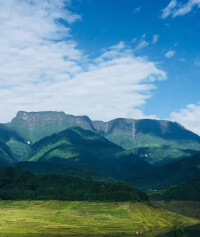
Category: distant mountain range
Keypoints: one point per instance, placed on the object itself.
(152, 154)
(155, 141)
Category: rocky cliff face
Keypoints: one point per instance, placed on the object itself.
(35, 120)
(56, 121)
(161, 128)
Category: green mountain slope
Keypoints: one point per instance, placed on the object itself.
(189, 191)
(77, 146)
(172, 174)
(156, 141)
(17, 184)
(6, 157)
(18, 146)
(158, 155)
(165, 141)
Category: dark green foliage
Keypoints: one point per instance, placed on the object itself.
(172, 174)
(77, 146)
(16, 184)
(189, 191)
(44, 168)
(178, 228)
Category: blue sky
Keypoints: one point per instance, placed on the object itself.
(105, 23)
(102, 58)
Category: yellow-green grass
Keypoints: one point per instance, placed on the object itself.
(83, 218)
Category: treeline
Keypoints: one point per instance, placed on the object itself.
(16, 184)
(189, 191)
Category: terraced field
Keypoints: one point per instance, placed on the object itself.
(61, 218)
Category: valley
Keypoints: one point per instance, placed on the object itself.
(68, 175)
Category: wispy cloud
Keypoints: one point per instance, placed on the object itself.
(134, 40)
(137, 10)
(168, 10)
(43, 69)
(170, 54)
(189, 117)
(142, 44)
(175, 8)
(155, 39)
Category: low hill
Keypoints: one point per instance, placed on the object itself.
(76, 146)
(176, 173)
(17, 184)
(189, 191)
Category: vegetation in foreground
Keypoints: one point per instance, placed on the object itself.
(84, 218)
(16, 184)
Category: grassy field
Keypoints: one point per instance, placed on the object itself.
(186, 208)
(82, 218)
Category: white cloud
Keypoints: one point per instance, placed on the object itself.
(42, 68)
(136, 10)
(170, 54)
(168, 10)
(186, 8)
(155, 39)
(177, 9)
(188, 117)
(142, 44)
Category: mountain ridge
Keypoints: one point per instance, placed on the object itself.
(130, 134)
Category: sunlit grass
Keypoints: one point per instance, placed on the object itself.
(82, 218)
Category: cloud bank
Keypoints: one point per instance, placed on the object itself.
(189, 117)
(42, 67)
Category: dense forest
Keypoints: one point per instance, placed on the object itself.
(16, 184)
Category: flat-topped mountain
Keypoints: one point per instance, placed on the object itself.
(36, 125)
(161, 128)
(156, 141)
